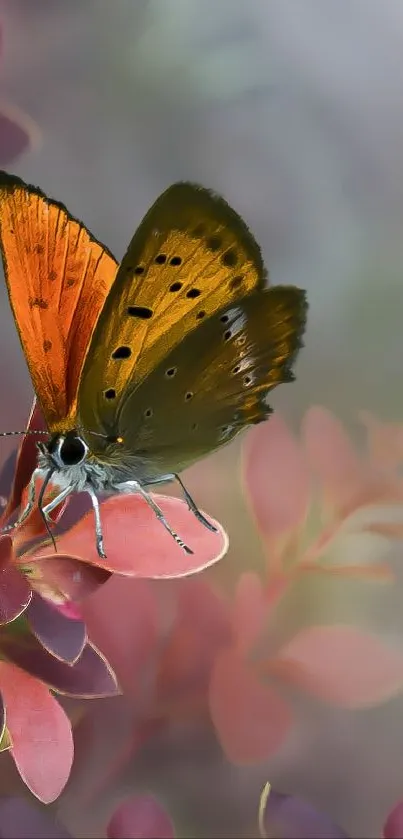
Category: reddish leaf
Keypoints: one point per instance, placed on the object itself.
(341, 664)
(251, 719)
(40, 732)
(138, 545)
(15, 591)
(276, 477)
(26, 459)
(393, 827)
(62, 637)
(140, 817)
(89, 677)
(61, 578)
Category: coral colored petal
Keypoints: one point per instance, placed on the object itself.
(15, 591)
(250, 609)
(130, 607)
(138, 545)
(251, 719)
(288, 815)
(342, 665)
(393, 827)
(332, 456)
(59, 577)
(19, 818)
(276, 478)
(40, 732)
(89, 677)
(62, 637)
(26, 459)
(140, 817)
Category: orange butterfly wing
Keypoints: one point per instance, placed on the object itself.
(58, 277)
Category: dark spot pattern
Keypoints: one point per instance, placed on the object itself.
(37, 303)
(52, 275)
(161, 259)
(39, 249)
(193, 293)
(188, 396)
(229, 259)
(175, 286)
(122, 352)
(170, 372)
(110, 393)
(141, 312)
(139, 269)
(214, 243)
(176, 260)
(200, 315)
(47, 345)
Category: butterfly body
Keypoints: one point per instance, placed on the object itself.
(143, 367)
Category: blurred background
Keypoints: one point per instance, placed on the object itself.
(294, 112)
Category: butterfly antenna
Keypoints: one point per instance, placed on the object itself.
(27, 431)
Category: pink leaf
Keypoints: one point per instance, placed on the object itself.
(393, 827)
(251, 719)
(26, 459)
(140, 817)
(250, 609)
(342, 665)
(137, 544)
(276, 478)
(40, 733)
(332, 456)
(129, 606)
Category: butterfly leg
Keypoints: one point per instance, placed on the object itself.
(156, 509)
(29, 505)
(98, 523)
(188, 498)
(56, 501)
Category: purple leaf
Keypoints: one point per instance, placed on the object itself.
(62, 637)
(283, 816)
(89, 677)
(20, 819)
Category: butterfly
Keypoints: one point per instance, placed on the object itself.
(143, 367)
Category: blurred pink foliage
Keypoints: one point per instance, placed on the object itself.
(44, 643)
(193, 652)
(18, 132)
